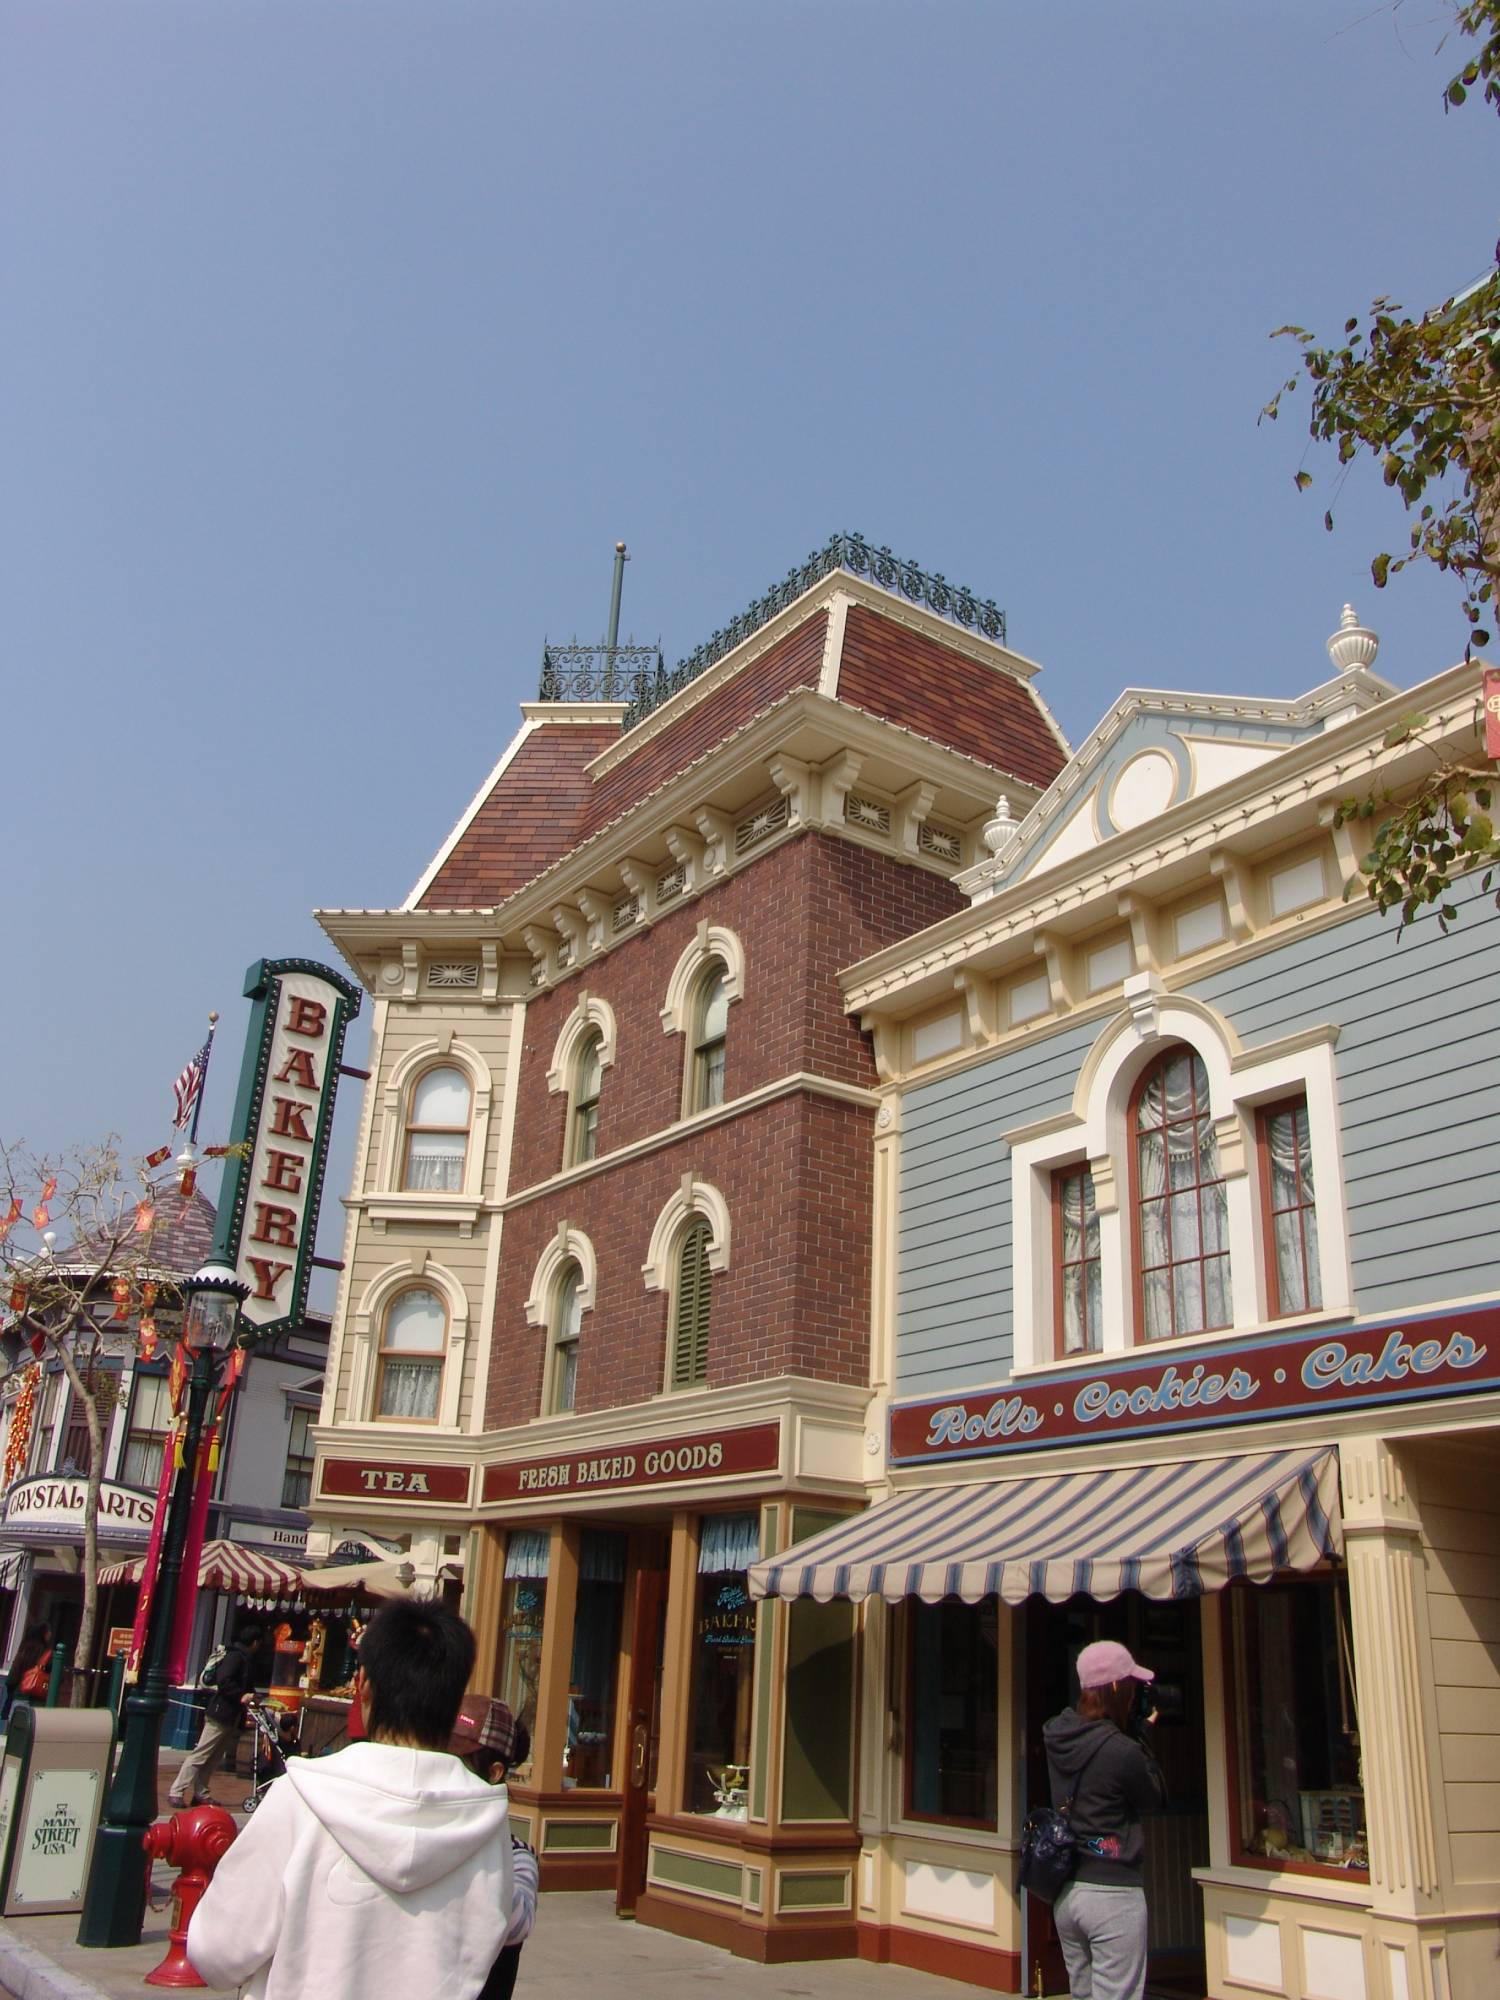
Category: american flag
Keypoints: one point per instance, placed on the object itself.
(188, 1085)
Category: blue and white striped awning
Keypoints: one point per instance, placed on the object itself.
(1173, 1530)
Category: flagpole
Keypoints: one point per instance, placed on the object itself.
(208, 1049)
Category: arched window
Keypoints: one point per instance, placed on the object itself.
(583, 1114)
(437, 1132)
(567, 1319)
(710, 1024)
(1182, 1210)
(690, 1309)
(413, 1341)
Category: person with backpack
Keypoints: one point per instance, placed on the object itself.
(229, 1678)
(29, 1670)
(1102, 1773)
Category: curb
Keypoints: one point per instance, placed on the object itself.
(29, 1974)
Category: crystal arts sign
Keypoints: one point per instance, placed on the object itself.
(268, 1214)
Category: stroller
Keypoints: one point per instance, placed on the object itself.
(268, 1751)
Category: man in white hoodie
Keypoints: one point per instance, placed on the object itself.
(385, 1868)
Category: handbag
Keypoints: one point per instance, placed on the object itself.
(1049, 1846)
(34, 1680)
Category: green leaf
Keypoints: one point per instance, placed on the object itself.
(1380, 569)
(1304, 480)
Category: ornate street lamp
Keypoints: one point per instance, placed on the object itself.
(114, 1904)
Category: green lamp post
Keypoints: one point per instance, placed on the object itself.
(114, 1903)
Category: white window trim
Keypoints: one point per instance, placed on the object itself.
(568, 1246)
(711, 944)
(694, 1198)
(367, 1321)
(1096, 1131)
(437, 1052)
(591, 1016)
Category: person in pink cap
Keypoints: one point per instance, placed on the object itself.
(1099, 1765)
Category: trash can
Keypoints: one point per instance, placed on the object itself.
(182, 1724)
(52, 1783)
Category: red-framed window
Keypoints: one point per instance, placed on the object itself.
(1075, 1260)
(1295, 1797)
(1295, 1281)
(1181, 1214)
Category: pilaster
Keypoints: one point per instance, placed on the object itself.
(1404, 1801)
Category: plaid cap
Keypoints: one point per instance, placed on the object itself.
(484, 1723)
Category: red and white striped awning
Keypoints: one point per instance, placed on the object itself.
(1171, 1530)
(225, 1566)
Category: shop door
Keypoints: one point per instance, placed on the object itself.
(644, 1712)
(1166, 1637)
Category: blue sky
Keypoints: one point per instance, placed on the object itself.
(342, 339)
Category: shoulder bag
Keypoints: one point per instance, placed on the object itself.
(1049, 1846)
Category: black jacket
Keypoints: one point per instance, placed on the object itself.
(234, 1680)
(1121, 1780)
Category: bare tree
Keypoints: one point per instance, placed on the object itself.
(105, 1296)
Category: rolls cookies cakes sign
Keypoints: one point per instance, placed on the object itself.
(268, 1213)
(1300, 1374)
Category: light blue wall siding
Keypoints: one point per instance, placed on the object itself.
(954, 1314)
(1418, 1063)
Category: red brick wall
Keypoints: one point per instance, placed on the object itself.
(795, 1173)
(898, 674)
(796, 1176)
(532, 816)
(802, 913)
(792, 662)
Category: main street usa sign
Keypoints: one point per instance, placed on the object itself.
(1298, 1374)
(268, 1213)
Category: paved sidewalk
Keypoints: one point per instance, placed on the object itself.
(579, 1945)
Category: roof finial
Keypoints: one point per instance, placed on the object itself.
(1353, 645)
(1001, 830)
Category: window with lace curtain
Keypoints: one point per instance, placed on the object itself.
(583, 1114)
(437, 1132)
(1296, 1284)
(567, 1320)
(146, 1431)
(1181, 1207)
(413, 1342)
(1075, 1228)
(710, 1028)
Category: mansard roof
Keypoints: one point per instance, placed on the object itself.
(571, 771)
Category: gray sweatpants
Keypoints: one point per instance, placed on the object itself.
(200, 1763)
(1102, 1931)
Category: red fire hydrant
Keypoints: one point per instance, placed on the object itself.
(196, 1842)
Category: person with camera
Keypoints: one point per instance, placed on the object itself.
(1099, 1765)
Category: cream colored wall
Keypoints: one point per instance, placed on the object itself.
(395, 1237)
(1459, 1503)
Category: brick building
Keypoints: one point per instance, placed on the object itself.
(605, 1329)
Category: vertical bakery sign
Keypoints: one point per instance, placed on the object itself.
(268, 1213)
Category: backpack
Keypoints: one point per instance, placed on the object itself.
(1049, 1846)
(209, 1675)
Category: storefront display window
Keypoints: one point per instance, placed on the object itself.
(952, 1712)
(596, 1654)
(723, 1667)
(1299, 1798)
(523, 1610)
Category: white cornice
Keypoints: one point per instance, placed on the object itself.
(794, 1084)
(1299, 778)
